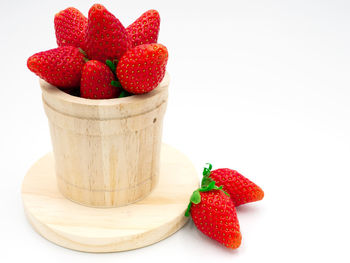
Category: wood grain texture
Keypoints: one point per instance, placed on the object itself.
(106, 151)
(89, 229)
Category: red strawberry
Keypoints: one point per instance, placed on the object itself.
(240, 189)
(214, 214)
(106, 37)
(60, 66)
(145, 29)
(96, 81)
(70, 27)
(142, 68)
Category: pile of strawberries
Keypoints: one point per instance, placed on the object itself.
(101, 58)
(212, 206)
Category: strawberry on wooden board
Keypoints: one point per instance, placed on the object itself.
(96, 81)
(240, 188)
(70, 28)
(142, 68)
(60, 66)
(145, 29)
(106, 37)
(214, 214)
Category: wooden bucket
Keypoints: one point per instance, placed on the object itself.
(107, 152)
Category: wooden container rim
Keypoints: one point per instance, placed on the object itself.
(104, 109)
(53, 91)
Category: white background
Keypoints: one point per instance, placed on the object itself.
(258, 86)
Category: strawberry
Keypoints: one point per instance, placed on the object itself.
(60, 66)
(214, 214)
(142, 68)
(106, 37)
(145, 29)
(70, 27)
(240, 188)
(96, 81)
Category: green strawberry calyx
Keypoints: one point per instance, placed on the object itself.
(123, 94)
(207, 185)
(206, 180)
(116, 83)
(112, 64)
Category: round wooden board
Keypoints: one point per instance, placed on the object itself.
(110, 229)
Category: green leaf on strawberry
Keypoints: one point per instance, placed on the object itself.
(111, 65)
(196, 197)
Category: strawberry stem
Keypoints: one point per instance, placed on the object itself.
(207, 185)
(206, 180)
(206, 171)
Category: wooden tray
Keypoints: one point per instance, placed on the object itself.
(88, 229)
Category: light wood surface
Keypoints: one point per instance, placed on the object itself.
(106, 151)
(89, 229)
